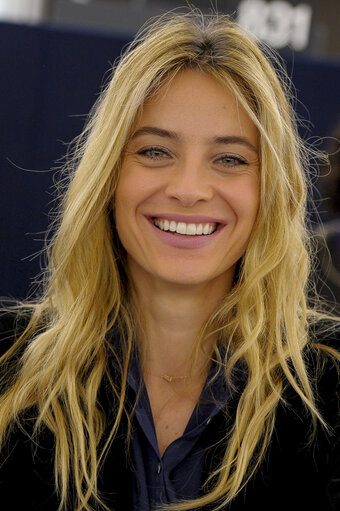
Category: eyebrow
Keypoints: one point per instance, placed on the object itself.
(160, 132)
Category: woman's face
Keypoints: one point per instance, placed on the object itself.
(188, 192)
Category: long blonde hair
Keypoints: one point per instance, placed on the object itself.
(263, 320)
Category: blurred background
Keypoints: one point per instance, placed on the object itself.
(55, 56)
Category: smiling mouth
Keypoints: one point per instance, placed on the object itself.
(185, 229)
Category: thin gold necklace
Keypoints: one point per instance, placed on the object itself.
(171, 378)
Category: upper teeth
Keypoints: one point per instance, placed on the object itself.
(184, 228)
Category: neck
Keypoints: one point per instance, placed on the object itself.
(172, 317)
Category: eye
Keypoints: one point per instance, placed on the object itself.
(154, 153)
(229, 161)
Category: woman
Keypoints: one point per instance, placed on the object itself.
(172, 359)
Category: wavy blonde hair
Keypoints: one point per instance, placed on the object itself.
(263, 320)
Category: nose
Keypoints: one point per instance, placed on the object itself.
(189, 184)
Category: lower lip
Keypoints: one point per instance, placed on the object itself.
(185, 241)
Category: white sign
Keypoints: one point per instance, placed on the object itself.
(22, 10)
(278, 23)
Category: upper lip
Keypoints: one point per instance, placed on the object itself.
(188, 219)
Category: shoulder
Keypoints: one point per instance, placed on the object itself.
(322, 362)
(322, 359)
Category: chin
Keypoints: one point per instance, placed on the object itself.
(181, 276)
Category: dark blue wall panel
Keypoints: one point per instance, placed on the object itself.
(49, 80)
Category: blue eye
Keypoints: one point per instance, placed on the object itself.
(154, 153)
(231, 161)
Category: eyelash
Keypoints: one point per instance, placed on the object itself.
(237, 160)
(144, 152)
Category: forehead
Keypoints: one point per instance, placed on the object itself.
(198, 105)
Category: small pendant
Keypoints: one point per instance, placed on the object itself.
(167, 378)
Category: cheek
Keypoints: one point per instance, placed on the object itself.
(252, 201)
(243, 197)
(133, 185)
(130, 193)
(126, 193)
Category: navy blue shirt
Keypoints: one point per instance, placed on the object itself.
(177, 475)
